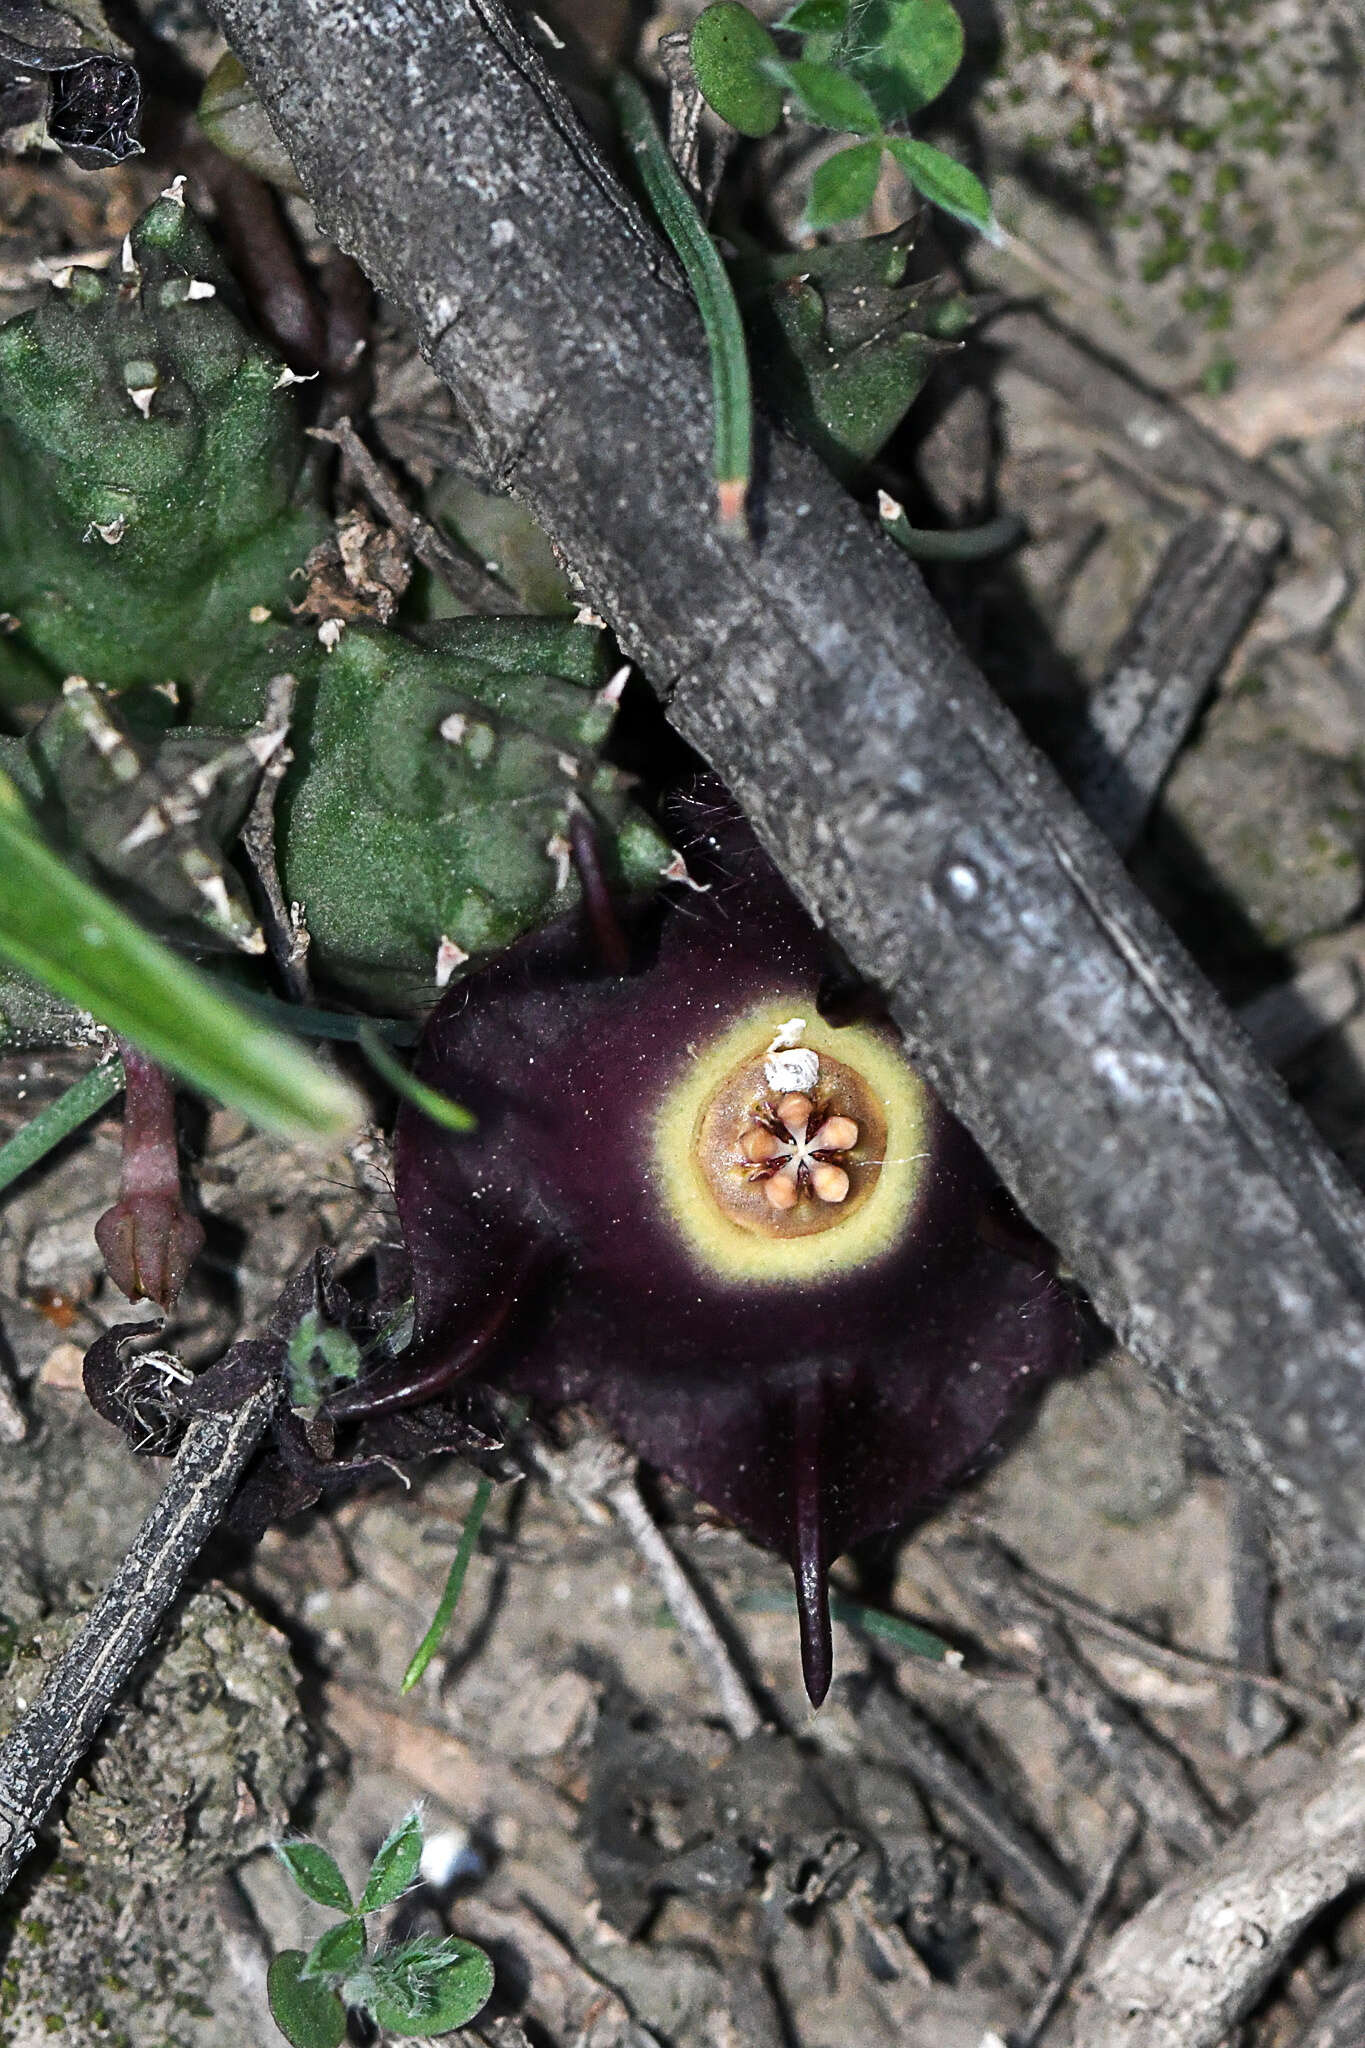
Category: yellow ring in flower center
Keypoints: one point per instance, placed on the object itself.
(739, 1239)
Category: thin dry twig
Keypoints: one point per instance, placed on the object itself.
(464, 578)
(1125, 1833)
(285, 934)
(1180, 1663)
(45, 1744)
(703, 1640)
(1203, 596)
(1151, 428)
(685, 105)
(1039, 1886)
(1255, 1721)
(1150, 1773)
(1284, 1021)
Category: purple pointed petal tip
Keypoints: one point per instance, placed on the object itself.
(760, 1248)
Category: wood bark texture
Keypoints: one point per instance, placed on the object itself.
(47, 1742)
(1042, 995)
(1195, 1960)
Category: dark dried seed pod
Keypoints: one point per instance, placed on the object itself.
(758, 1246)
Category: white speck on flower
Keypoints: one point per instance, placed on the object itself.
(792, 1070)
(561, 853)
(449, 956)
(676, 871)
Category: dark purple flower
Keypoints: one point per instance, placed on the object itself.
(749, 1238)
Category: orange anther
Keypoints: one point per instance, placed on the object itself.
(759, 1145)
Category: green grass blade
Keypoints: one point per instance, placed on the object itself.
(76, 941)
(680, 221)
(73, 1107)
(872, 1621)
(442, 1109)
(459, 1564)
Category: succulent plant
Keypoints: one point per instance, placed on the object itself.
(844, 342)
(155, 507)
(153, 489)
(748, 1236)
(429, 814)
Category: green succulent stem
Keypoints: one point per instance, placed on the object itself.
(966, 544)
(678, 217)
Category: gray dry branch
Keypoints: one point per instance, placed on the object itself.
(47, 1742)
(1045, 999)
(1198, 1956)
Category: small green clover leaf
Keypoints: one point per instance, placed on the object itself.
(429, 1989)
(826, 96)
(843, 185)
(316, 1874)
(729, 48)
(423, 1986)
(308, 2014)
(337, 1952)
(908, 51)
(395, 1865)
(816, 17)
(946, 182)
(867, 64)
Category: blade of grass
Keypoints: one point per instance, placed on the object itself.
(459, 1565)
(873, 1621)
(442, 1109)
(686, 230)
(343, 1026)
(73, 1107)
(75, 940)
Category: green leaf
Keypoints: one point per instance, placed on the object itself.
(76, 940)
(729, 47)
(315, 1873)
(395, 1866)
(336, 1953)
(431, 1992)
(946, 182)
(442, 1109)
(338, 1349)
(826, 97)
(816, 17)
(309, 2015)
(843, 185)
(83, 1099)
(907, 52)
